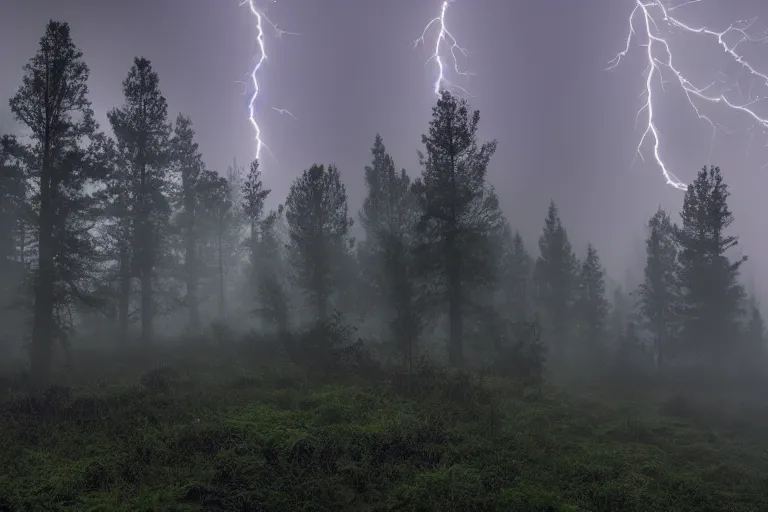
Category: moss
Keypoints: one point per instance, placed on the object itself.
(253, 442)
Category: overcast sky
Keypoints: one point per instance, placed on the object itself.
(565, 125)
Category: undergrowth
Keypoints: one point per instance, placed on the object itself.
(273, 437)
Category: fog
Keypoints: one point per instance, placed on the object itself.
(504, 249)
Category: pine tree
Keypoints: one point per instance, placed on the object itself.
(555, 276)
(52, 104)
(190, 165)
(710, 291)
(591, 304)
(142, 133)
(516, 273)
(461, 220)
(659, 293)
(318, 223)
(253, 197)
(388, 216)
(216, 218)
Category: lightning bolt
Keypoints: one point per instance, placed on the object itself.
(261, 19)
(653, 15)
(442, 39)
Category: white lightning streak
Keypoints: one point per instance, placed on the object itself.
(654, 13)
(260, 41)
(443, 38)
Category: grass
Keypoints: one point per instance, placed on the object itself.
(260, 439)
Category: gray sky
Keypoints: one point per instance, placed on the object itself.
(565, 125)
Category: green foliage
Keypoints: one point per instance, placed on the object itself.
(265, 439)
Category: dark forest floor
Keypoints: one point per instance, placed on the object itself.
(271, 440)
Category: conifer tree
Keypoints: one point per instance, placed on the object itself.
(142, 133)
(388, 217)
(591, 305)
(555, 276)
(318, 224)
(460, 218)
(659, 293)
(516, 274)
(711, 294)
(189, 162)
(52, 103)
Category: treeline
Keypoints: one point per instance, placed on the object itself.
(130, 226)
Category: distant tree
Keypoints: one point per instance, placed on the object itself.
(189, 163)
(12, 204)
(52, 104)
(591, 306)
(216, 220)
(516, 273)
(318, 224)
(659, 294)
(555, 276)
(270, 276)
(253, 197)
(621, 311)
(756, 348)
(13, 224)
(460, 218)
(388, 217)
(711, 294)
(142, 133)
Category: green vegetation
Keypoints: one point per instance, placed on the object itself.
(269, 438)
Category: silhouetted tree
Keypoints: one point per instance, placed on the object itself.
(253, 196)
(555, 276)
(190, 165)
(318, 224)
(52, 103)
(142, 133)
(591, 305)
(461, 220)
(388, 217)
(711, 294)
(659, 293)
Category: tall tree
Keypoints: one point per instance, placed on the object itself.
(142, 132)
(388, 217)
(659, 293)
(254, 194)
(711, 294)
(189, 163)
(591, 304)
(52, 103)
(318, 223)
(555, 276)
(460, 218)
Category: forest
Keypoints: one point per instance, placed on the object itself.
(167, 343)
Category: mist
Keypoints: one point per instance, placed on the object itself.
(470, 300)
